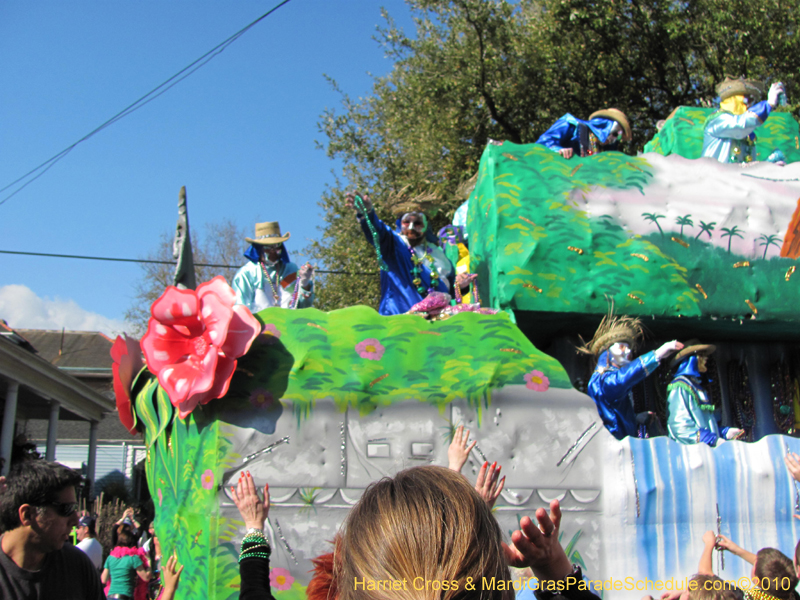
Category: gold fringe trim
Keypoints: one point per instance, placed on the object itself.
(680, 241)
(701, 290)
(574, 249)
(752, 306)
(739, 265)
(635, 297)
(642, 256)
(378, 380)
(789, 272)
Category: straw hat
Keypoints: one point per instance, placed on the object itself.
(740, 87)
(692, 347)
(616, 115)
(268, 233)
(612, 330)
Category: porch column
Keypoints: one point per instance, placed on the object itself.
(92, 461)
(52, 430)
(9, 420)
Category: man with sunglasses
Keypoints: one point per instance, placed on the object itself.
(414, 266)
(37, 513)
(270, 278)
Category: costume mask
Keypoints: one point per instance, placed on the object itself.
(735, 104)
(415, 220)
(620, 353)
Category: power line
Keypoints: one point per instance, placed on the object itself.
(163, 262)
(147, 98)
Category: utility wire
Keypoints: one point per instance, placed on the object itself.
(164, 262)
(148, 97)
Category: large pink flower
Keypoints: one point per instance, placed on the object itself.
(207, 479)
(536, 381)
(280, 579)
(371, 349)
(127, 357)
(193, 340)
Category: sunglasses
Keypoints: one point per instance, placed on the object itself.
(271, 246)
(63, 509)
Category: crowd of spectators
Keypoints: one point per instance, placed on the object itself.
(425, 533)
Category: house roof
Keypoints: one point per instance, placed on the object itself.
(80, 353)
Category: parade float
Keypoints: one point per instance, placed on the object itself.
(321, 404)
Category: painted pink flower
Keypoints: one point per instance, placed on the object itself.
(160, 497)
(536, 381)
(193, 340)
(207, 479)
(127, 357)
(271, 329)
(261, 398)
(371, 349)
(280, 579)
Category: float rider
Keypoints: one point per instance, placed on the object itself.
(617, 373)
(692, 417)
(572, 136)
(728, 135)
(412, 265)
(270, 278)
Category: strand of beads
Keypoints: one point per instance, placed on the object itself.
(271, 285)
(416, 271)
(434, 272)
(296, 294)
(255, 545)
(359, 204)
(475, 296)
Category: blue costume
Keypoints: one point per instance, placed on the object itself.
(610, 387)
(729, 138)
(398, 291)
(690, 409)
(256, 292)
(568, 132)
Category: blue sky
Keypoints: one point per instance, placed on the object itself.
(239, 133)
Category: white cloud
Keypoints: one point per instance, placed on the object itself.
(21, 308)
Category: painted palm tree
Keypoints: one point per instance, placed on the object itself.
(654, 217)
(706, 228)
(684, 221)
(767, 241)
(730, 232)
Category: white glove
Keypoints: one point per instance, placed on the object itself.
(665, 350)
(732, 433)
(306, 275)
(775, 90)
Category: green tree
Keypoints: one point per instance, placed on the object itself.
(730, 233)
(767, 241)
(654, 217)
(706, 228)
(684, 221)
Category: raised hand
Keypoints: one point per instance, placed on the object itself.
(254, 512)
(350, 201)
(458, 452)
(537, 547)
(489, 484)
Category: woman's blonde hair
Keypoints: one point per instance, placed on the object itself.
(424, 534)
